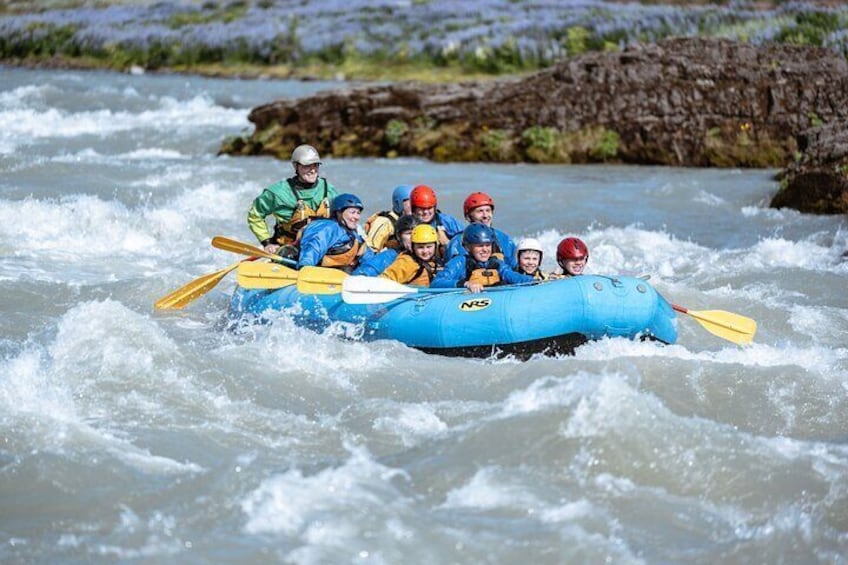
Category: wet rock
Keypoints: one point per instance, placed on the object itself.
(818, 181)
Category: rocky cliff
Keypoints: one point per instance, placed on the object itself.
(685, 102)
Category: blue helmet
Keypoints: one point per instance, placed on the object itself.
(400, 194)
(344, 201)
(478, 233)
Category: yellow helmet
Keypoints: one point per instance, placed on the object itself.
(424, 233)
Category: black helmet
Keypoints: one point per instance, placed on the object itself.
(406, 223)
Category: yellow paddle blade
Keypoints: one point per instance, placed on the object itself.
(727, 325)
(265, 275)
(196, 288)
(233, 246)
(320, 280)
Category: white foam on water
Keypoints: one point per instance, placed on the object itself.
(412, 423)
(772, 253)
(569, 512)
(92, 156)
(123, 450)
(118, 359)
(638, 251)
(612, 405)
(22, 96)
(94, 345)
(495, 490)
(120, 366)
(824, 324)
(28, 387)
(172, 176)
(318, 509)
(290, 348)
(86, 226)
(157, 537)
(547, 393)
(210, 201)
(770, 213)
(488, 490)
(712, 200)
(81, 227)
(633, 250)
(108, 341)
(628, 250)
(688, 460)
(20, 124)
(818, 359)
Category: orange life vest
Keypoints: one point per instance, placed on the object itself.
(384, 214)
(487, 275)
(344, 256)
(425, 274)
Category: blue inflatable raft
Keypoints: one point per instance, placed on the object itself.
(548, 317)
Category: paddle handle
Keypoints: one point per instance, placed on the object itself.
(680, 309)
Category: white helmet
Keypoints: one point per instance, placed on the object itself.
(305, 155)
(530, 244)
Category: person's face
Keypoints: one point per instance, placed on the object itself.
(529, 260)
(426, 214)
(350, 217)
(307, 173)
(406, 239)
(481, 251)
(407, 207)
(574, 266)
(482, 214)
(424, 251)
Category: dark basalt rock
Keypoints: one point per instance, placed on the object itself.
(818, 182)
(683, 102)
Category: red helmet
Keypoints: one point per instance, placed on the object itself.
(475, 200)
(422, 196)
(572, 248)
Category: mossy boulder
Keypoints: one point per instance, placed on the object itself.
(683, 102)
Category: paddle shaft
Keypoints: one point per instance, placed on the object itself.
(235, 246)
(698, 316)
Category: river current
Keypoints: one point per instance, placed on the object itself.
(132, 435)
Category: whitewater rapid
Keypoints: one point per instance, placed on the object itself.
(130, 434)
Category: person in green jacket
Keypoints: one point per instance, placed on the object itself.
(293, 202)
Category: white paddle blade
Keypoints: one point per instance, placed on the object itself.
(373, 290)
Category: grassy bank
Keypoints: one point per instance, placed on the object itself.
(430, 40)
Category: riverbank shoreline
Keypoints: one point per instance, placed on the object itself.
(359, 73)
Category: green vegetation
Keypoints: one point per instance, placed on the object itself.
(607, 146)
(815, 120)
(395, 130)
(419, 41)
(497, 145)
(540, 143)
(577, 40)
(451, 142)
(811, 28)
(743, 146)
